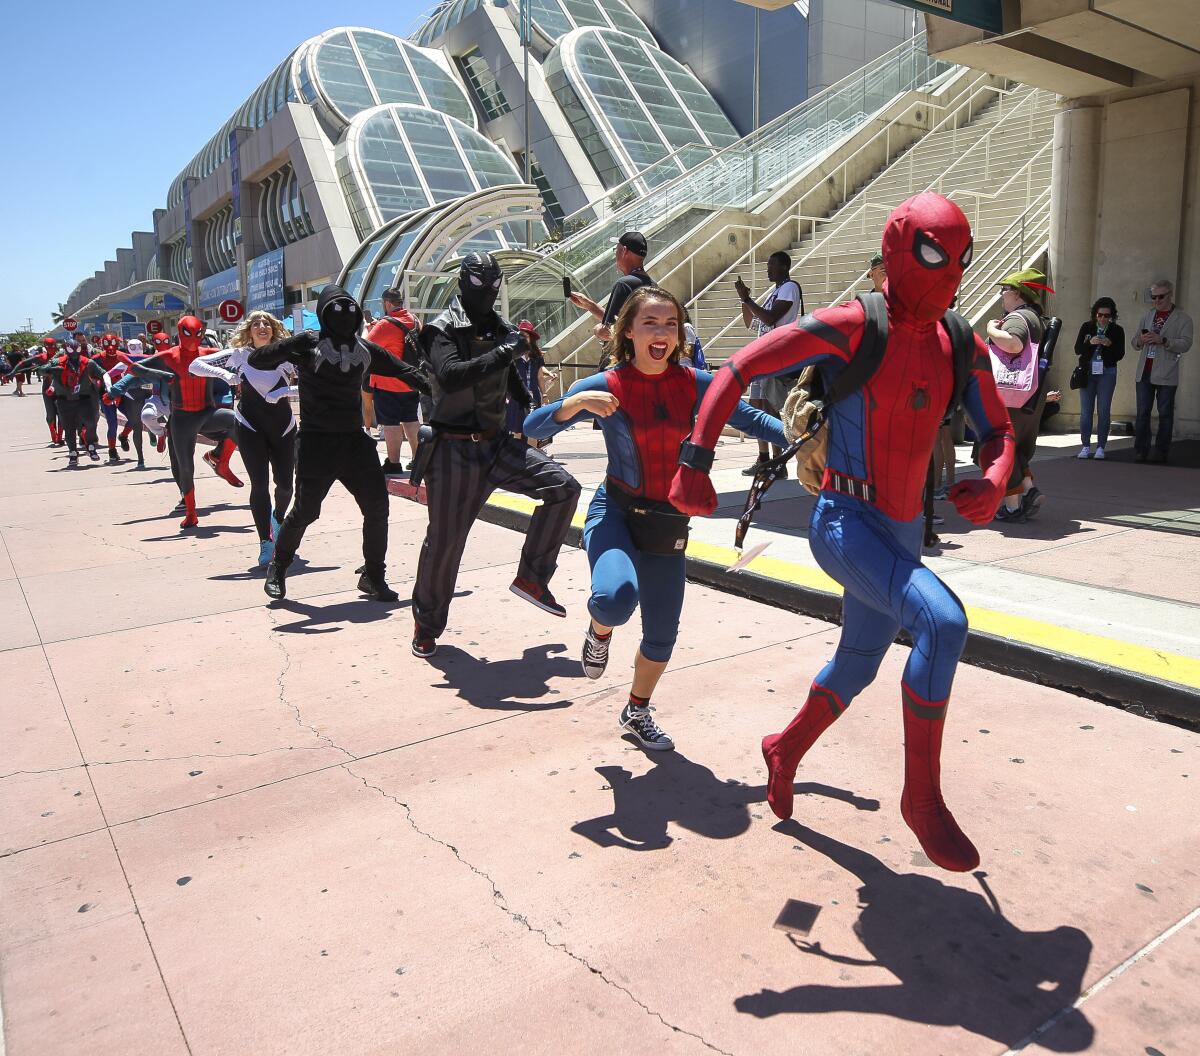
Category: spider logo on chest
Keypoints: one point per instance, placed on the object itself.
(918, 399)
(661, 414)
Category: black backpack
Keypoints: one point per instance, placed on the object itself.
(414, 354)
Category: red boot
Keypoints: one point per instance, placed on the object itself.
(190, 519)
(53, 432)
(783, 751)
(161, 444)
(921, 805)
(219, 460)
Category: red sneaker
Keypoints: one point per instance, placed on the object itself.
(538, 595)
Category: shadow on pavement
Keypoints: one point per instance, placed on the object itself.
(957, 959)
(488, 684)
(326, 619)
(688, 794)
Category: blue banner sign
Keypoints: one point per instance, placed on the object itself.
(235, 183)
(264, 281)
(218, 287)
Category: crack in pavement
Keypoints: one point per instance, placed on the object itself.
(519, 918)
(169, 759)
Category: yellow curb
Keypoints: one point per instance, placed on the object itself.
(1153, 663)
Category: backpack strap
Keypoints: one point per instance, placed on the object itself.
(962, 345)
(870, 351)
(405, 330)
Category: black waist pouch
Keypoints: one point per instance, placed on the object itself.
(426, 441)
(655, 527)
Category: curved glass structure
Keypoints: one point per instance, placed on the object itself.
(552, 18)
(631, 105)
(341, 73)
(394, 160)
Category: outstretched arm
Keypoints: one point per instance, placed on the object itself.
(286, 350)
(759, 424)
(383, 362)
(831, 333)
(218, 365)
(977, 500)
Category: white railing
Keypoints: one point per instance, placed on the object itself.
(981, 146)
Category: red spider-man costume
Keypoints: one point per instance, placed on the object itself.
(194, 410)
(867, 525)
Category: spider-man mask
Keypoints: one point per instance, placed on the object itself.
(191, 330)
(926, 248)
(161, 342)
(479, 279)
(109, 343)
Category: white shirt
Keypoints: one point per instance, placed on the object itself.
(785, 291)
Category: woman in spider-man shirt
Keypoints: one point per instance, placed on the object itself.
(634, 537)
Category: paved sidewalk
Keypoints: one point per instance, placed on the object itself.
(1108, 573)
(227, 828)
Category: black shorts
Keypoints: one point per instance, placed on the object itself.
(395, 408)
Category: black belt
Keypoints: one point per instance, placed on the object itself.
(480, 437)
(856, 489)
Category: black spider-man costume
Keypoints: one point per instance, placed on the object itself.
(866, 527)
(194, 410)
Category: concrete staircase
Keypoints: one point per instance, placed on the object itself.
(994, 165)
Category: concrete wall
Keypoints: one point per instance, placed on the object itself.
(844, 35)
(1126, 178)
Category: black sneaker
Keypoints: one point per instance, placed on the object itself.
(641, 724)
(112, 455)
(376, 588)
(73, 460)
(393, 469)
(750, 470)
(1031, 502)
(595, 653)
(93, 454)
(424, 644)
(124, 442)
(537, 595)
(276, 581)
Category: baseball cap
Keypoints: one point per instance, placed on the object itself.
(876, 260)
(635, 242)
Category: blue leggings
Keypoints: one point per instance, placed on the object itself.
(110, 416)
(622, 574)
(877, 560)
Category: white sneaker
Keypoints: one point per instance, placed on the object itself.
(1085, 452)
(1099, 452)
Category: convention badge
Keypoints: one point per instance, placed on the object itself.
(1097, 366)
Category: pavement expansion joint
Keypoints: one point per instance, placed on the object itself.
(523, 921)
(168, 759)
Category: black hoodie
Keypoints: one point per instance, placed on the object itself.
(330, 365)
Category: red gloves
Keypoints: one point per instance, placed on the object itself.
(978, 500)
(692, 492)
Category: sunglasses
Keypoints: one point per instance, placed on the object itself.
(1159, 296)
(1104, 315)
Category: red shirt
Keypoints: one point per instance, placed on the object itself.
(390, 336)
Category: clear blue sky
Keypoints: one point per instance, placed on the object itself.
(95, 129)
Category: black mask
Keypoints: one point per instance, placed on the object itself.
(339, 314)
(479, 278)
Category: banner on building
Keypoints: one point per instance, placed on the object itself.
(983, 14)
(264, 282)
(217, 288)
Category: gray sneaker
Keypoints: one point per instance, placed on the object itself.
(641, 724)
(595, 653)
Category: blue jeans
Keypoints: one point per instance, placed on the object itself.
(1147, 395)
(1097, 394)
(623, 577)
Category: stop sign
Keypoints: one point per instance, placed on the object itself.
(70, 324)
(231, 311)
(154, 326)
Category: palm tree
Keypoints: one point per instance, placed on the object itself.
(58, 316)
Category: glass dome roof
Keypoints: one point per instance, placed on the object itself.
(552, 18)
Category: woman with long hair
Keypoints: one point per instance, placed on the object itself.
(266, 424)
(635, 539)
(1100, 346)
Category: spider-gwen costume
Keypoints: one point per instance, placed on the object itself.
(194, 411)
(642, 438)
(114, 362)
(867, 524)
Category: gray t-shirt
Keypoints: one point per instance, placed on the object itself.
(1025, 324)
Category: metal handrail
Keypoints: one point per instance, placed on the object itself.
(860, 211)
(997, 261)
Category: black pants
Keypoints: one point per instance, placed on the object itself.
(322, 458)
(1025, 428)
(51, 409)
(183, 428)
(460, 477)
(72, 419)
(131, 407)
(268, 452)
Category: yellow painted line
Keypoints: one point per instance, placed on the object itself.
(1140, 659)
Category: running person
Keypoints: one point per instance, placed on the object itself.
(76, 381)
(634, 537)
(266, 426)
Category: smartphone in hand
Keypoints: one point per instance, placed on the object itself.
(567, 286)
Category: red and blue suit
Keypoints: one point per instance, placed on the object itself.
(114, 363)
(194, 410)
(642, 437)
(867, 524)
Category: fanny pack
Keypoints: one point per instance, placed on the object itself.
(655, 527)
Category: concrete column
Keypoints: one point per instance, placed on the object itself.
(1075, 197)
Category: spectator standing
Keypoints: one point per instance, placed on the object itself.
(1100, 346)
(1164, 337)
(782, 304)
(877, 273)
(395, 403)
(530, 366)
(692, 353)
(631, 252)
